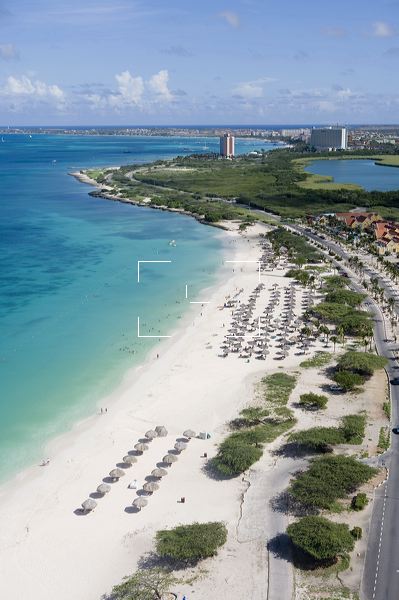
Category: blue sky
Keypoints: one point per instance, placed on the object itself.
(199, 62)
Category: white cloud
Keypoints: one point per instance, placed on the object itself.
(133, 92)
(251, 89)
(159, 84)
(8, 52)
(130, 90)
(23, 88)
(382, 29)
(231, 18)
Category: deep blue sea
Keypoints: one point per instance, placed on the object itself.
(365, 173)
(69, 297)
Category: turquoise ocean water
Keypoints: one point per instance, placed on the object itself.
(362, 172)
(69, 297)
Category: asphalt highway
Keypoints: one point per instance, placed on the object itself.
(381, 570)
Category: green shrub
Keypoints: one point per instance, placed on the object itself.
(279, 387)
(191, 543)
(352, 428)
(320, 359)
(347, 297)
(299, 275)
(357, 533)
(328, 479)
(320, 538)
(234, 458)
(313, 401)
(321, 439)
(145, 584)
(335, 282)
(362, 363)
(348, 380)
(317, 439)
(359, 501)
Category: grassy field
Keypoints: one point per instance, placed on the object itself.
(218, 178)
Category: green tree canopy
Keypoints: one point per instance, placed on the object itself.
(191, 543)
(328, 479)
(322, 539)
(145, 584)
(363, 363)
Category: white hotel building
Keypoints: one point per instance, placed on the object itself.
(329, 138)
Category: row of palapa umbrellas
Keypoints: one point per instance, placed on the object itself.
(150, 486)
(279, 329)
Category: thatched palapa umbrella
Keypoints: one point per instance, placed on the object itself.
(89, 505)
(116, 473)
(169, 459)
(179, 446)
(140, 502)
(189, 433)
(161, 431)
(150, 487)
(159, 473)
(129, 459)
(140, 447)
(103, 488)
(151, 434)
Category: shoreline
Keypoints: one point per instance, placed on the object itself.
(40, 497)
(101, 192)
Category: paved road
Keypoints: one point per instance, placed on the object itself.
(381, 571)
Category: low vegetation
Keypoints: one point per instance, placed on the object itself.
(359, 502)
(354, 368)
(322, 439)
(296, 246)
(362, 363)
(145, 584)
(191, 543)
(320, 359)
(384, 439)
(256, 426)
(321, 539)
(311, 401)
(328, 479)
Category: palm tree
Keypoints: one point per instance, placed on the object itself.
(334, 340)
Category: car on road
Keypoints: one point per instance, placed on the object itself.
(395, 381)
(395, 430)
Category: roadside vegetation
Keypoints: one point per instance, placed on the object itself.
(322, 439)
(321, 540)
(355, 368)
(328, 479)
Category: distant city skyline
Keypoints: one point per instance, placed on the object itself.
(246, 62)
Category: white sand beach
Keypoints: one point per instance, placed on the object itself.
(48, 548)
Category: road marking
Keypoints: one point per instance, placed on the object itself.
(380, 543)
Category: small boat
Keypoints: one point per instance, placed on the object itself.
(172, 243)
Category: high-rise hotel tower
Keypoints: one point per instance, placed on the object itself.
(227, 145)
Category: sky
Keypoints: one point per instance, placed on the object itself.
(166, 62)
